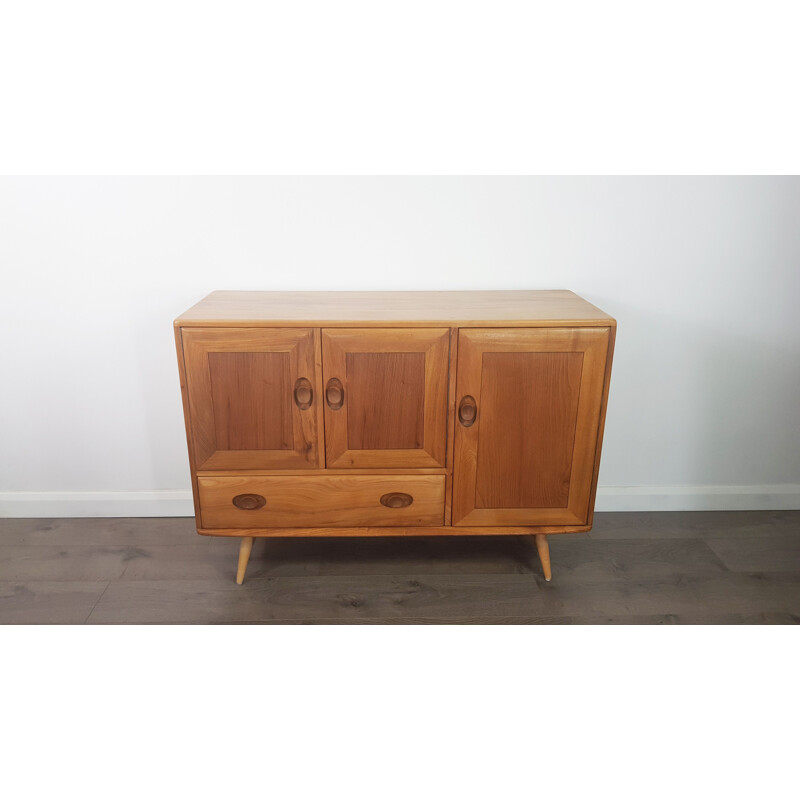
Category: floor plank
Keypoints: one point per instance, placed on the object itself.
(143, 562)
(48, 602)
(67, 563)
(440, 596)
(773, 552)
(431, 555)
(615, 559)
(100, 531)
(189, 562)
(184, 602)
(721, 568)
(690, 524)
(653, 619)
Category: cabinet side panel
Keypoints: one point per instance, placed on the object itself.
(187, 420)
(612, 335)
(452, 373)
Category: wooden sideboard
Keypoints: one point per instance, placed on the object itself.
(394, 413)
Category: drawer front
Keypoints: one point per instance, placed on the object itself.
(306, 501)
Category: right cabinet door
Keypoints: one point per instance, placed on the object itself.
(528, 408)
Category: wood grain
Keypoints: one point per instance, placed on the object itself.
(388, 402)
(451, 421)
(378, 309)
(529, 407)
(249, 397)
(329, 501)
(386, 397)
(533, 440)
(245, 548)
(187, 419)
(393, 530)
(612, 335)
(210, 473)
(241, 400)
(543, 548)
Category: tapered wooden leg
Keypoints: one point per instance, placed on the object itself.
(544, 554)
(244, 556)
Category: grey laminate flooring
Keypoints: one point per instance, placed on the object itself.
(646, 568)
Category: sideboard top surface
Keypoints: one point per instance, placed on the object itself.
(456, 308)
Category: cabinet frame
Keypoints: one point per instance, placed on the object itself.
(296, 323)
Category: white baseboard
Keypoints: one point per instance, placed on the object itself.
(163, 503)
(174, 503)
(778, 497)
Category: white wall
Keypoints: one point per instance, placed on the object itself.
(703, 275)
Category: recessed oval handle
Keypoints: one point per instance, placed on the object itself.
(334, 394)
(467, 411)
(249, 502)
(396, 500)
(303, 394)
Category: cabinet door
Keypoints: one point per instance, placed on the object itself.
(385, 396)
(528, 408)
(253, 397)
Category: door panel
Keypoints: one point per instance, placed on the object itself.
(246, 419)
(386, 392)
(253, 397)
(528, 457)
(397, 422)
(532, 470)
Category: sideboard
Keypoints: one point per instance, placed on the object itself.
(394, 413)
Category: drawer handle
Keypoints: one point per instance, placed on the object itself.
(249, 502)
(303, 394)
(334, 394)
(467, 411)
(396, 500)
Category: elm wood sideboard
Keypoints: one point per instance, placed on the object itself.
(394, 413)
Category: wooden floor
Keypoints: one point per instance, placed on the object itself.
(640, 568)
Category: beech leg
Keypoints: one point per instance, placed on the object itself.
(244, 556)
(544, 554)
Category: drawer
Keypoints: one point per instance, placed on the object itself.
(311, 501)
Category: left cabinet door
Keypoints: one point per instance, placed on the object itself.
(254, 397)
